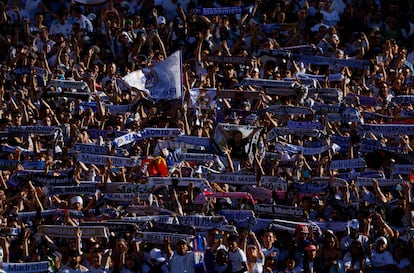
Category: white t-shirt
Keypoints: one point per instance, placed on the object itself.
(257, 267)
(348, 262)
(182, 263)
(237, 258)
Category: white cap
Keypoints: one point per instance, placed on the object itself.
(156, 254)
(162, 20)
(76, 199)
(125, 4)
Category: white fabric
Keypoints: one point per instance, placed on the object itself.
(182, 263)
(236, 259)
(381, 259)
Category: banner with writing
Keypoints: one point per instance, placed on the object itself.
(233, 179)
(319, 60)
(305, 125)
(96, 149)
(25, 267)
(159, 237)
(117, 227)
(279, 211)
(294, 149)
(283, 131)
(164, 219)
(202, 222)
(315, 188)
(222, 10)
(88, 189)
(267, 83)
(37, 130)
(126, 139)
(382, 182)
(243, 218)
(348, 164)
(160, 132)
(387, 129)
(289, 110)
(228, 59)
(164, 79)
(403, 168)
(194, 157)
(71, 231)
(102, 160)
(83, 86)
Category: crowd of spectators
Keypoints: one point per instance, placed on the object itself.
(360, 52)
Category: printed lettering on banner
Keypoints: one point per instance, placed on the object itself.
(234, 179)
(279, 210)
(348, 164)
(159, 237)
(25, 267)
(382, 182)
(71, 231)
(403, 168)
(202, 222)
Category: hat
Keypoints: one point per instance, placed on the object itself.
(125, 4)
(381, 239)
(91, 16)
(96, 48)
(181, 242)
(156, 254)
(74, 253)
(310, 248)
(56, 254)
(302, 228)
(354, 224)
(76, 199)
(161, 20)
(335, 37)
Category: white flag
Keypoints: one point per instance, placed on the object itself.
(163, 80)
(135, 79)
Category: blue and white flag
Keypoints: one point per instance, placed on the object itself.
(164, 79)
(403, 99)
(135, 79)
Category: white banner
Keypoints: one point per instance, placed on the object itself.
(382, 182)
(289, 110)
(387, 129)
(71, 231)
(200, 183)
(83, 86)
(160, 132)
(202, 222)
(83, 188)
(194, 157)
(136, 79)
(403, 99)
(164, 219)
(282, 131)
(294, 149)
(163, 80)
(280, 211)
(102, 160)
(37, 130)
(159, 237)
(126, 139)
(348, 164)
(25, 267)
(233, 179)
(121, 109)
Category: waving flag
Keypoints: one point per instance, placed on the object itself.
(163, 80)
